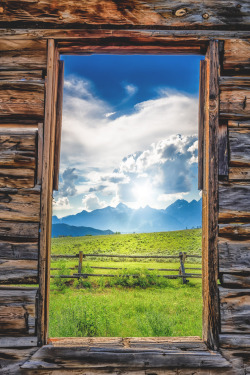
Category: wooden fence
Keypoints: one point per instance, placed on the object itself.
(181, 270)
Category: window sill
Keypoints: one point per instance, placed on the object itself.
(127, 353)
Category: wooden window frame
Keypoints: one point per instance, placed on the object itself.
(140, 42)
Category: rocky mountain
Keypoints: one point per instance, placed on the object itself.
(69, 230)
(179, 215)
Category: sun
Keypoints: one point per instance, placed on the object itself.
(143, 194)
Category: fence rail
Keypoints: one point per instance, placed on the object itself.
(181, 270)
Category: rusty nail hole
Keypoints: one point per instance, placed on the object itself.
(1, 9)
(205, 16)
(181, 12)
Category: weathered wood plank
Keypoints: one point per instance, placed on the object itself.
(50, 357)
(237, 55)
(235, 231)
(17, 311)
(20, 206)
(223, 150)
(239, 174)
(234, 256)
(235, 281)
(210, 202)
(239, 145)
(15, 250)
(234, 341)
(22, 75)
(17, 231)
(22, 54)
(22, 99)
(12, 359)
(234, 202)
(18, 342)
(192, 14)
(234, 308)
(39, 154)
(234, 83)
(235, 104)
(17, 178)
(18, 271)
(238, 124)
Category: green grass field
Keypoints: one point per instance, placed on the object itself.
(121, 306)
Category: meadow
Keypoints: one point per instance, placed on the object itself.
(125, 306)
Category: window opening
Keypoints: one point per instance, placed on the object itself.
(128, 205)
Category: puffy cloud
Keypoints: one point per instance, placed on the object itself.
(62, 203)
(68, 187)
(130, 89)
(92, 202)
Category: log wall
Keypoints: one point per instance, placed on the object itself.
(27, 28)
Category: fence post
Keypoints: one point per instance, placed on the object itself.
(80, 262)
(182, 268)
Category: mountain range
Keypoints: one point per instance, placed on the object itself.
(179, 215)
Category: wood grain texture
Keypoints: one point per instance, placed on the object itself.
(239, 144)
(22, 99)
(234, 202)
(17, 342)
(239, 232)
(17, 311)
(235, 104)
(22, 54)
(15, 250)
(235, 281)
(238, 124)
(18, 231)
(12, 359)
(234, 83)
(201, 125)
(192, 14)
(223, 150)
(18, 271)
(17, 178)
(50, 357)
(234, 256)
(237, 56)
(234, 341)
(210, 202)
(239, 174)
(21, 75)
(234, 309)
(20, 206)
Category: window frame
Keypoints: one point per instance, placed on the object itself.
(139, 42)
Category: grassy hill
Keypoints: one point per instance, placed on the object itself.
(141, 243)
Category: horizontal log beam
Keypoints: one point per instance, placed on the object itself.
(234, 341)
(18, 271)
(234, 309)
(168, 14)
(234, 256)
(235, 104)
(21, 251)
(234, 202)
(18, 231)
(236, 56)
(239, 146)
(239, 174)
(239, 232)
(235, 281)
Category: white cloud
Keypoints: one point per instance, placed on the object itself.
(92, 202)
(62, 203)
(130, 89)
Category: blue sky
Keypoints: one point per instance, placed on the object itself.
(129, 132)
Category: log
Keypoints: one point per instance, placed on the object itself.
(17, 231)
(234, 256)
(235, 104)
(236, 55)
(50, 357)
(22, 75)
(17, 311)
(17, 178)
(23, 99)
(239, 173)
(234, 83)
(201, 125)
(17, 342)
(239, 145)
(234, 309)
(15, 250)
(21, 206)
(239, 232)
(18, 271)
(235, 281)
(234, 202)
(190, 15)
(22, 54)
(223, 150)
(234, 341)
(238, 124)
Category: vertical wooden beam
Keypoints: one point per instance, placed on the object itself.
(46, 194)
(39, 154)
(202, 110)
(210, 201)
(59, 107)
(223, 150)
